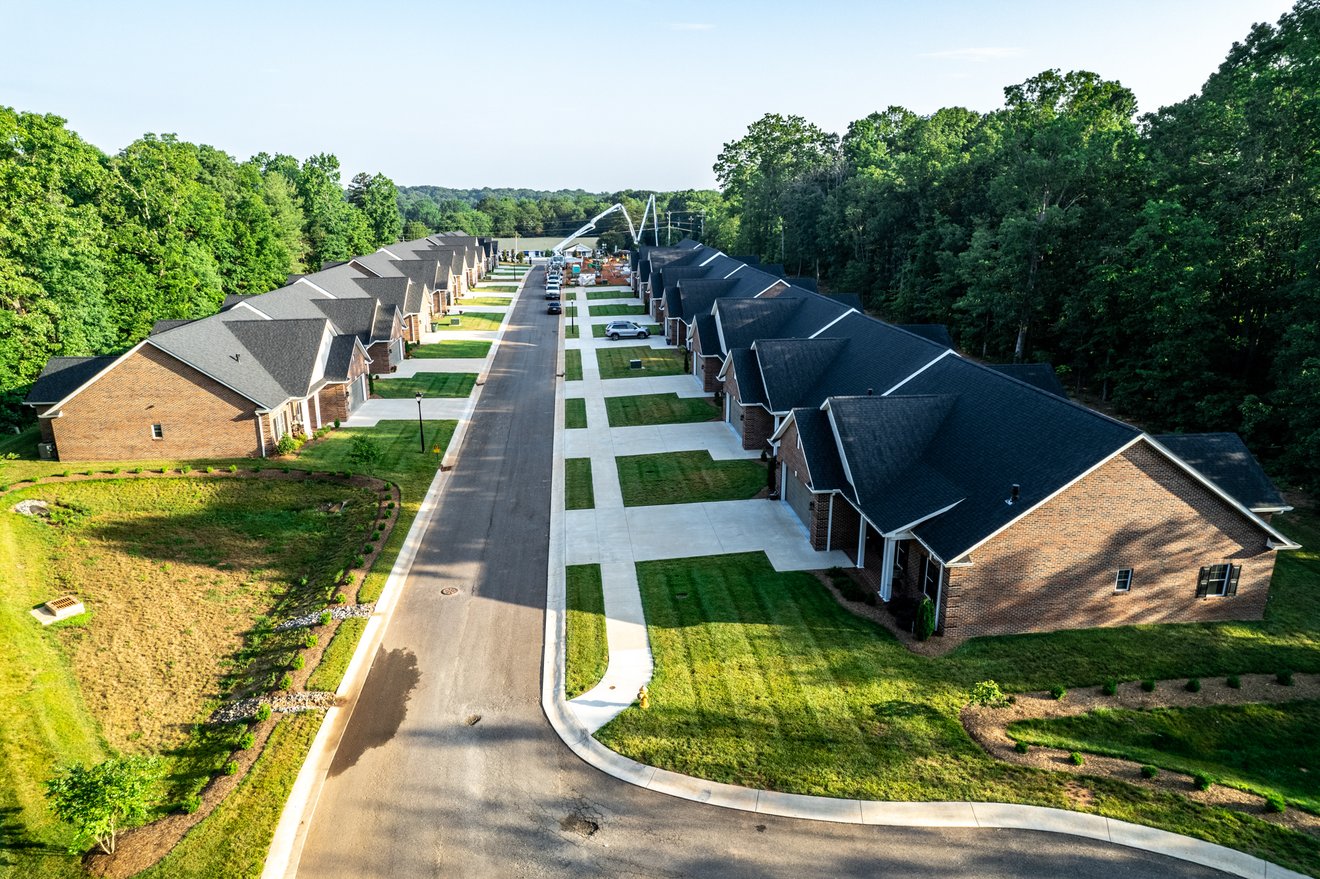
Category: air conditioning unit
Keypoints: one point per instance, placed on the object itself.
(46, 451)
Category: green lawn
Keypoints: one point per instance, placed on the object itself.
(598, 330)
(762, 679)
(471, 320)
(570, 331)
(578, 493)
(686, 478)
(1265, 749)
(570, 311)
(586, 652)
(178, 575)
(483, 287)
(646, 409)
(575, 413)
(610, 294)
(453, 348)
(613, 361)
(487, 300)
(615, 310)
(432, 384)
(572, 365)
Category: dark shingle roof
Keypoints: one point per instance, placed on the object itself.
(1227, 462)
(709, 336)
(795, 314)
(340, 359)
(287, 349)
(810, 284)
(999, 433)
(790, 368)
(161, 326)
(64, 375)
(1038, 375)
(821, 451)
(747, 373)
(383, 327)
(937, 333)
(400, 292)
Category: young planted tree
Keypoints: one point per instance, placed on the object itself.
(103, 799)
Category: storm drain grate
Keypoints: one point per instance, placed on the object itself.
(449, 590)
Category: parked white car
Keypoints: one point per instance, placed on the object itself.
(625, 329)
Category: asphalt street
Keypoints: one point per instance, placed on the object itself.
(448, 767)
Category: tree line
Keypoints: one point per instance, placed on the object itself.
(1168, 264)
(95, 248)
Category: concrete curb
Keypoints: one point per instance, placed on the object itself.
(869, 812)
(286, 844)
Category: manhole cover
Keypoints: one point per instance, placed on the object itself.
(449, 590)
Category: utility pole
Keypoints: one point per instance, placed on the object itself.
(669, 227)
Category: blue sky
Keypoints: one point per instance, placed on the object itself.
(596, 95)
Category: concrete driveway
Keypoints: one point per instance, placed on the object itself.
(449, 768)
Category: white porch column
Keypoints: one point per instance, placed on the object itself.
(318, 410)
(861, 545)
(306, 419)
(887, 572)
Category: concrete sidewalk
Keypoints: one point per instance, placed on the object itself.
(617, 538)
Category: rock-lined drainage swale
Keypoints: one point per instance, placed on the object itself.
(338, 612)
(288, 703)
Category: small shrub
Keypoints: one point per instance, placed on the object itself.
(365, 451)
(1234, 682)
(210, 469)
(116, 471)
(987, 693)
(925, 625)
(88, 472)
(246, 741)
(1021, 747)
(341, 598)
(4, 487)
(233, 468)
(299, 661)
(1275, 804)
(66, 473)
(1193, 685)
(287, 445)
(1148, 685)
(286, 469)
(325, 617)
(1059, 692)
(390, 505)
(163, 470)
(309, 640)
(339, 575)
(359, 561)
(286, 681)
(230, 768)
(1076, 758)
(1110, 688)
(302, 581)
(186, 468)
(1285, 678)
(1202, 781)
(336, 422)
(137, 470)
(370, 546)
(190, 804)
(263, 712)
(1149, 771)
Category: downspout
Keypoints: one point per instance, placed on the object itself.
(261, 436)
(829, 526)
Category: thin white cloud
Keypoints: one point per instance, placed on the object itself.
(976, 55)
(691, 26)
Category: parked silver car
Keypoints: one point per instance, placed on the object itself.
(625, 329)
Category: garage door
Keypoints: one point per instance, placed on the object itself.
(736, 415)
(357, 393)
(396, 353)
(797, 496)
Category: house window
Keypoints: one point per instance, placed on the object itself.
(1123, 582)
(157, 431)
(930, 579)
(1218, 580)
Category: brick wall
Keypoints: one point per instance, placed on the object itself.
(795, 467)
(111, 420)
(1055, 569)
(334, 398)
(758, 424)
(710, 374)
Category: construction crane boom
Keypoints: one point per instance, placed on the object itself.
(635, 232)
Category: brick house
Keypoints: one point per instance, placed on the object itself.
(1016, 510)
(230, 385)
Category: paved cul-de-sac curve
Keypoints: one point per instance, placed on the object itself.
(448, 767)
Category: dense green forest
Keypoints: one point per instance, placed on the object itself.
(1166, 263)
(96, 248)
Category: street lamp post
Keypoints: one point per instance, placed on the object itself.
(421, 429)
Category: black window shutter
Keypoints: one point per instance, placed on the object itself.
(1234, 571)
(1203, 583)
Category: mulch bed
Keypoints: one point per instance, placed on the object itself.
(142, 847)
(989, 727)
